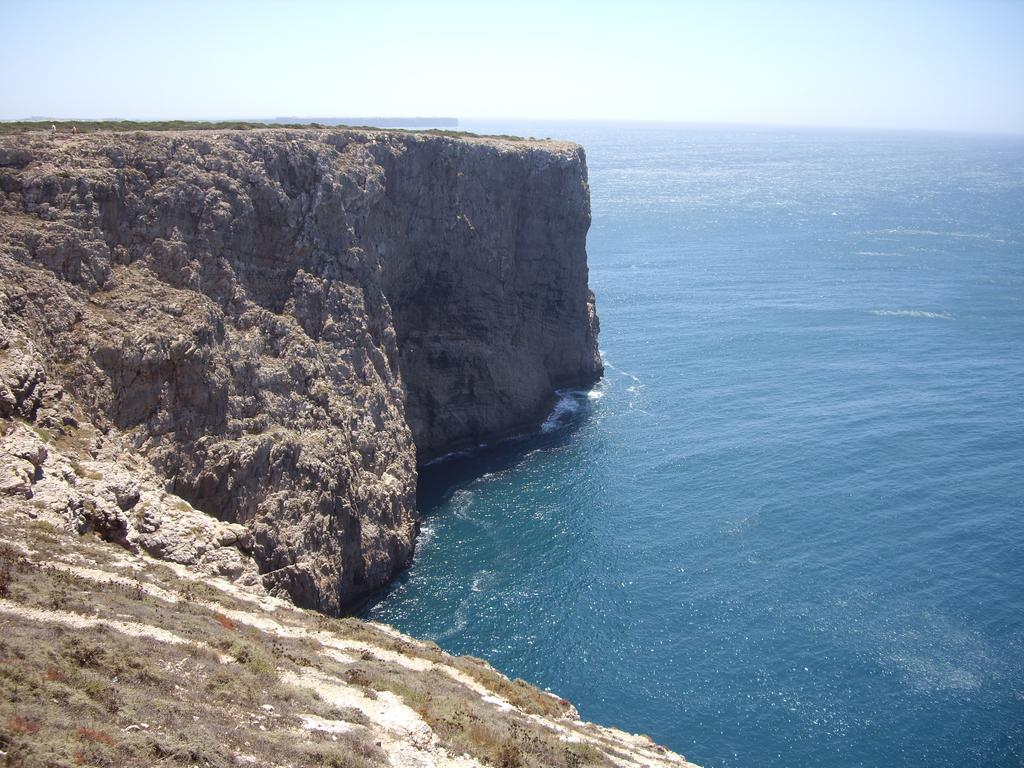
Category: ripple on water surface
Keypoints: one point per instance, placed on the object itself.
(787, 528)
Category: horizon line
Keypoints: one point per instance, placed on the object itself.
(459, 119)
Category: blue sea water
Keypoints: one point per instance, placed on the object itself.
(787, 529)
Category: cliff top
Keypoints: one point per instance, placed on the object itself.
(68, 128)
(113, 658)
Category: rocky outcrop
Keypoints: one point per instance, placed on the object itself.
(56, 466)
(277, 322)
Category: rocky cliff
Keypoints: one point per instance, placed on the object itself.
(221, 355)
(274, 324)
(483, 249)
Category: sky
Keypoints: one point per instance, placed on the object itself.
(939, 65)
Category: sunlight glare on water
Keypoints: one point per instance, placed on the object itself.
(786, 528)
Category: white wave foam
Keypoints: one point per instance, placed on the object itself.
(936, 233)
(627, 374)
(911, 313)
(458, 625)
(565, 407)
(425, 538)
(933, 233)
(481, 581)
(461, 502)
(447, 456)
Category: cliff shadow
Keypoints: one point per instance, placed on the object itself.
(440, 479)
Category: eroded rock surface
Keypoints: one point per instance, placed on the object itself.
(266, 321)
(485, 266)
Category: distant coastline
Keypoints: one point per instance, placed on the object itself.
(65, 125)
(375, 122)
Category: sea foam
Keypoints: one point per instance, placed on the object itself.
(566, 406)
(911, 313)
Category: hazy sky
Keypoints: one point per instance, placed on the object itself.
(941, 65)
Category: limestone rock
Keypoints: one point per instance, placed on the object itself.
(267, 320)
(487, 284)
(21, 377)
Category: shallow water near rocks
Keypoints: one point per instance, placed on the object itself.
(788, 527)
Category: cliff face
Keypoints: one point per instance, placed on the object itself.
(261, 317)
(483, 250)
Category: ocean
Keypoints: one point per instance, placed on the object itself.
(787, 528)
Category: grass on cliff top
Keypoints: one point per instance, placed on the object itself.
(96, 695)
(123, 126)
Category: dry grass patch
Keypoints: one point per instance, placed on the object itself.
(465, 724)
(350, 628)
(95, 697)
(517, 692)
